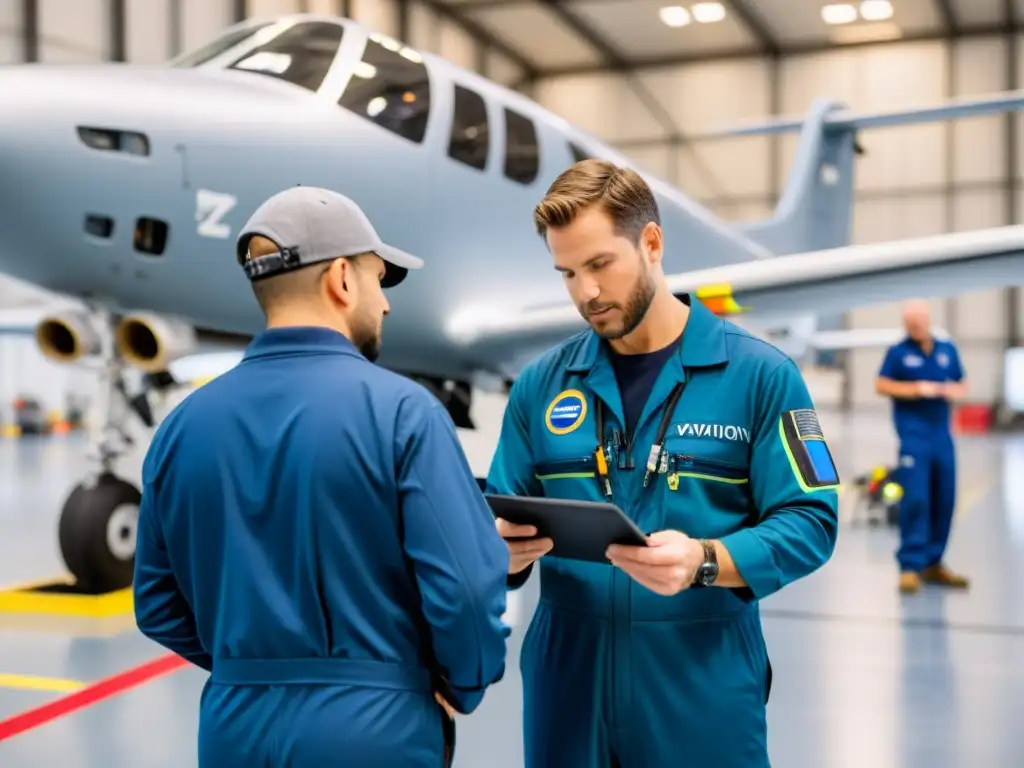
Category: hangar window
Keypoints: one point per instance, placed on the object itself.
(470, 138)
(522, 154)
(302, 54)
(218, 45)
(390, 87)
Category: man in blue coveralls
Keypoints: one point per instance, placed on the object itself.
(310, 531)
(707, 438)
(922, 374)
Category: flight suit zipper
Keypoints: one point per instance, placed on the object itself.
(621, 700)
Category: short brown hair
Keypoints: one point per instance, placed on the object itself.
(621, 192)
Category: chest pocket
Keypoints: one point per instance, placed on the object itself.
(705, 496)
(572, 477)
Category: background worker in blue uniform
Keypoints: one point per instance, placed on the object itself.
(310, 531)
(707, 438)
(922, 374)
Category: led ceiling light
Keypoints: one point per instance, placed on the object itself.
(876, 10)
(708, 13)
(842, 13)
(674, 16)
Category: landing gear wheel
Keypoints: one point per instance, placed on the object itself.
(97, 533)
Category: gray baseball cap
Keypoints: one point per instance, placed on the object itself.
(312, 225)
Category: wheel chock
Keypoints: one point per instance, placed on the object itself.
(63, 597)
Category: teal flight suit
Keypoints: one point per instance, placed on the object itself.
(613, 673)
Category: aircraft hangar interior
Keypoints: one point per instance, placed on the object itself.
(837, 183)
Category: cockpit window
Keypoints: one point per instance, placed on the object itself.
(390, 87)
(218, 45)
(302, 54)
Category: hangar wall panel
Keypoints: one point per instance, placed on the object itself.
(501, 70)
(75, 32)
(148, 31)
(884, 77)
(424, 31)
(699, 99)
(980, 142)
(202, 20)
(378, 15)
(605, 105)
(456, 46)
(11, 49)
(256, 8)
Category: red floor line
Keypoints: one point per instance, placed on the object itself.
(91, 694)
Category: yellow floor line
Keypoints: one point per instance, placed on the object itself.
(32, 683)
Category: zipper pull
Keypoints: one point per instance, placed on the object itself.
(673, 482)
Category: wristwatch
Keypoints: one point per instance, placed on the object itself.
(707, 571)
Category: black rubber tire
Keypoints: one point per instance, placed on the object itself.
(84, 543)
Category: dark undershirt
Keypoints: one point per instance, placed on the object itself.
(636, 375)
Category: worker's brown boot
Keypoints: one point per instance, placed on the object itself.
(943, 577)
(910, 582)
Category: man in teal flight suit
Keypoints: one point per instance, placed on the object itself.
(708, 440)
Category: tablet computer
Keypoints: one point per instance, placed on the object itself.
(580, 530)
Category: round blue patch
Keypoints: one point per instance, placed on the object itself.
(566, 412)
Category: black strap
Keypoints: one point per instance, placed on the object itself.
(657, 447)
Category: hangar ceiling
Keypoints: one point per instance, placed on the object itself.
(560, 37)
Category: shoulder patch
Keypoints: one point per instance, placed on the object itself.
(566, 412)
(808, 453)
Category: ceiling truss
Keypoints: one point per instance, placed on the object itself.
(747, 12)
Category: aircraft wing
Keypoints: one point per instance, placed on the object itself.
(820, 282)
(21, 321)
(862, 337)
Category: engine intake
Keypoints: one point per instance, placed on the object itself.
(67, 337)
(150, 342)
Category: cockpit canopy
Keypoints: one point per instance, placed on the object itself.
(389, 85)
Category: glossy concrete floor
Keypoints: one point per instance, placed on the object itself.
(862, 676)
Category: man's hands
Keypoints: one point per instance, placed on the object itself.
(522, 553)
(949, 390)
(666, 566)
(447, 707)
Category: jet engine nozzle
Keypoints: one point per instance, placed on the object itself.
(151, 342)
(67, 337)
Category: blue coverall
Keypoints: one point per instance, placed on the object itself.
(927, 463)
(311, 533)
(613, 673)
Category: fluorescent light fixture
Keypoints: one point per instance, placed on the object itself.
(876, 10)
(674, 16)
(841, 13)
(708, 13)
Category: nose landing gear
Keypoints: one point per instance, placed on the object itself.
(98, 523)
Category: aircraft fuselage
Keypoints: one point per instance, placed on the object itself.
(220, 142)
